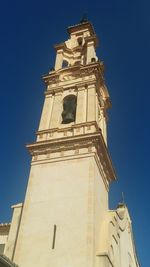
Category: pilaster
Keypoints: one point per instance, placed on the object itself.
(59, 59)
(56, 111)
(90, 52)
(46, 113)
(81, 105)
(91, 114)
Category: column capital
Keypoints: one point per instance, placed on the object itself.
(89, 86)
(81, 87)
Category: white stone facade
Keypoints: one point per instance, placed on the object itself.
(65, 220)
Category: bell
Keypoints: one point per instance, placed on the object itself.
(67, 117)
(69, 109)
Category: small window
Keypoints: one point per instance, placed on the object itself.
(80, 41)
(65, 64)
(93, 59)
(69, 109)
(2, 246)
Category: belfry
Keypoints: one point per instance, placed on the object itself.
(65, 219)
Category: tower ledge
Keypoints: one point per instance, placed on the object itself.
(79, 144)
(80, 27)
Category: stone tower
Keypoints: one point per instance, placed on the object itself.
(63, 219)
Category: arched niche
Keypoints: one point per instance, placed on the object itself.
(69, 109)
(65, 64)
(80, 41)
(93, 59)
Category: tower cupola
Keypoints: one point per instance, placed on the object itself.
(79, 49)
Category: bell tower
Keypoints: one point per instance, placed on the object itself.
(76, 93)
(67, 194)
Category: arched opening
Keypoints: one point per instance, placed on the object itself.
(93, 59)
(79, 41)
(69, 109)
(65, 64)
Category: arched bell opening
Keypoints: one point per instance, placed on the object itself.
(93, 59)
(80, 41)
(69, 109)
(65, 64)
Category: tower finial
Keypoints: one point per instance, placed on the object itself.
(84, 18)
(123, 201)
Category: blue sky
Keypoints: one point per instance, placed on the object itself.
(29, 29)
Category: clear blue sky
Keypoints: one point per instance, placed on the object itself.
(28, 31)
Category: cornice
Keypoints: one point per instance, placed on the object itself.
(74, 77)
(70, 127)
(76, 142)
(60, 46)
(5, 224)
(92, 38)
(81, 26)
(76, 86)
(79, 70)
(4, 227)
(63, 48)
(64, 143)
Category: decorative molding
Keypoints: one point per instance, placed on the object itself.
(75, 70)
(78, 76)
(5, 224)
(80, 141)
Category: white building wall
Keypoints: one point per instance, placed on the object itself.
(4, 232)
(64, 194)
